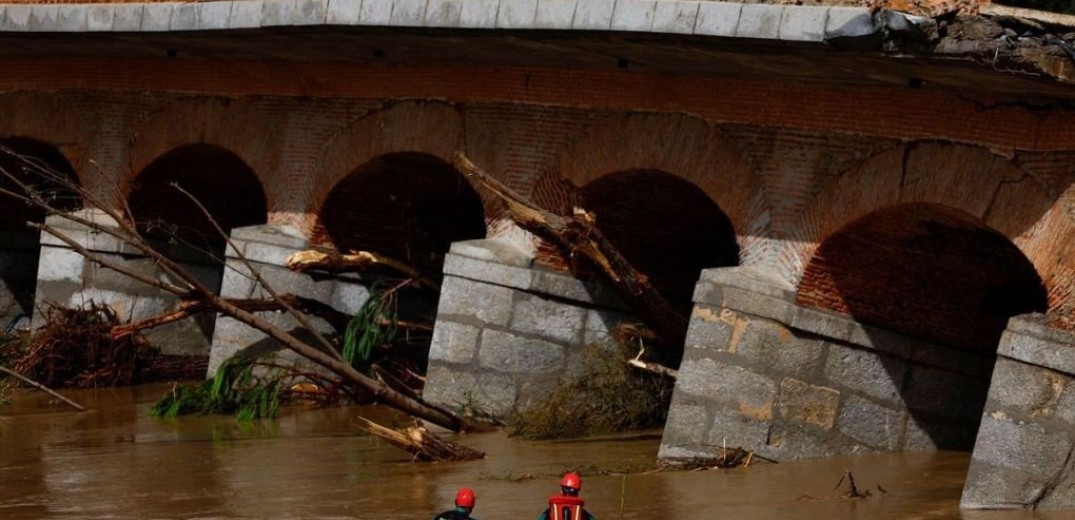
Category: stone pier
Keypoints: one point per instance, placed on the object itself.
(786, 381)
(267, 248)
(1023, 455)
(508, 331)
(66, 278)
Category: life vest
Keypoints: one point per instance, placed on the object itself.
(565, 507)
(454, 514)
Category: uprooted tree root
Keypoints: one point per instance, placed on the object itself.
(422, 444)
(607, 396)
(75, 349)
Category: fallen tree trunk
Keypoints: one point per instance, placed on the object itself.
(333, 262)
(578, 235)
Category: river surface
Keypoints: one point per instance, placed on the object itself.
(114, 461)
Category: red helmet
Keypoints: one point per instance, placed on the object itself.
(572, 480)
(465, 498)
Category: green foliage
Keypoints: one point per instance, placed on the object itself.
(608, 396)
(234, 389)
(374, 324)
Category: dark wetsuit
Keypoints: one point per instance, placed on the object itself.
(455, 514)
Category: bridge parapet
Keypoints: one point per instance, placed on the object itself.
(788, 381)
(703, 18)
(508, 331)
(1023, 455)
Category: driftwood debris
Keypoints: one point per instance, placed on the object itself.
(578, 235)
(359, 261)
(422, 444)
(853, 492)
(41, 387)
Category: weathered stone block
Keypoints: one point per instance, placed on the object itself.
(43, 17)
(408, 13)
(453, 342)
(757, 304)
(454, 389)
(599, 325)
(214, 15)
(127, 17)
(497, 393)
(876, 426)
(849, 22)
(867, 372)
(184, 17)
(476, 301)
(60, 264)
(72, 18)
(684, 431)
(759, 21)
(443, 13)
(803, 23)
(516, 14)
(479, 14)
(1022, 446)
(156, 17)
(313, 12)
(712, 328)
(551, 319)
(17, 17)
(804, 403)
(504, 352)
(554, 14)
(717, 18)
(821, 323)
(100, 17)
(751, 392)
(633, 15)
(490, 272)
(733, 429)
(772, 346)
(675, 17)
(594, 14)
(1032, 389)
(349, 297)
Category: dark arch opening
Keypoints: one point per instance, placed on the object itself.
(668, 228)
(216, 177)
(937, 274)
(43, 169)
(406, 205)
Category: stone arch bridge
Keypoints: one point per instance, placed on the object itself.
(873, 239)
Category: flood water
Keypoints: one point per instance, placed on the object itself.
(114, 461)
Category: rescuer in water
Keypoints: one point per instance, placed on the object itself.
(567, 505)
(464, 504)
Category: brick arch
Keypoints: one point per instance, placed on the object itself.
(228, 124)
(44, 169)
(984, 185)
(225, 185)
(45, 117)
(431, 128)
(667, 227)
(407, 205)
(925, 269)
(677, 144)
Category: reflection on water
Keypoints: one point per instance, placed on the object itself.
(115, 461)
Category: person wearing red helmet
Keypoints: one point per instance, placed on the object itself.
(567, 505)
(464, 504)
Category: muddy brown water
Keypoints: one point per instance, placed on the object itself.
(114, 461)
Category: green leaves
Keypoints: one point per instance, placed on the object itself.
(374, 324)
(234, 389)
